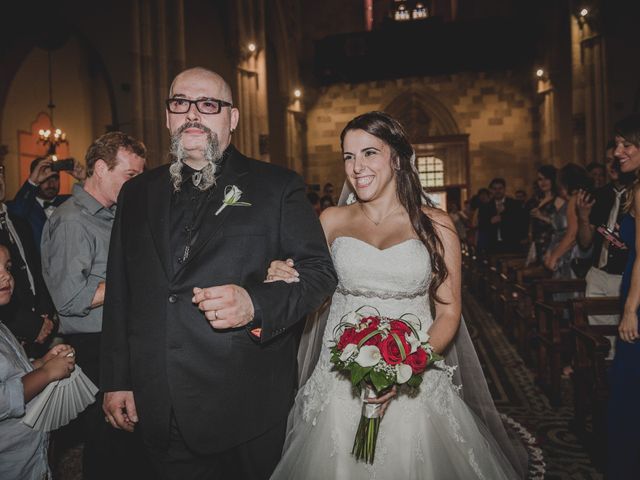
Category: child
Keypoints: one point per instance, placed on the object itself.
(23, 451)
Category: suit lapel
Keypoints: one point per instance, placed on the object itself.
(159, 195)
(234, 173)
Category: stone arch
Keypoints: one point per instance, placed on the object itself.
(422, 115)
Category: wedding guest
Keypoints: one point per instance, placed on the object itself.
(327, 199)
(30, 313)
(23, 450)
(75, 245)
(547, 203)
(623, 418)
(598, 173)
(40, 194)
(564, 222)
(599, 218)
(502, 221)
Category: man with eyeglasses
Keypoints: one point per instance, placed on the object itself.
(197, 350)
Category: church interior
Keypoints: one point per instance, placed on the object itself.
(484, 89)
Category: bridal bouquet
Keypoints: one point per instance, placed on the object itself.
(378, 352)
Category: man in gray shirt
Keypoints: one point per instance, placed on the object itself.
(75, 246)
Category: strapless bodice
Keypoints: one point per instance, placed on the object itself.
(400, 271)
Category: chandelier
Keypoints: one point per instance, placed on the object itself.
(53, 137)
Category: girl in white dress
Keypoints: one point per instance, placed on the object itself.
(393, 251)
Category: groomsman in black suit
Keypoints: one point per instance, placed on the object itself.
(503, 220)
(198, 352)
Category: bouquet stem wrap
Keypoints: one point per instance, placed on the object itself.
(364, 445)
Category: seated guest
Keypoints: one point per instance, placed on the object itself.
(29, 315)
(39, 195)
(23, 450)
(502, 220)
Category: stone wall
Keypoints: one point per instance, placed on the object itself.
(496, 110)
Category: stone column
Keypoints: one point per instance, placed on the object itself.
(158, 54)
(252, 134)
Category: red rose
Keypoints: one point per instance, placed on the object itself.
(372, 321)
(348, 336)
(360, 335)
(390, 350)
(400, 328)
(417, 361)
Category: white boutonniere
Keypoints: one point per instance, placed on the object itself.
(231, 196)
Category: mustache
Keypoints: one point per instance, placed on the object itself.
(198, 125)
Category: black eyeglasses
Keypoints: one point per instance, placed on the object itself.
(207, 106)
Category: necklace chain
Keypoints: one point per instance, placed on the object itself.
(382, 219)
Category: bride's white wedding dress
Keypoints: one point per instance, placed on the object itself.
(431, 435)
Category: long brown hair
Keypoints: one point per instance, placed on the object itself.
(410, 192)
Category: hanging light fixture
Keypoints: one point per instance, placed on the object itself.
(53, 137)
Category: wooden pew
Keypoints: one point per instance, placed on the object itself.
(590, 371)
(554, 339)
(520, 318)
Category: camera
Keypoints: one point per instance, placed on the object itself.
(62, 164)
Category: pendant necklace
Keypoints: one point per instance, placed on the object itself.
(382, 219)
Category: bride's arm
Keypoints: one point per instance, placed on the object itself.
(447, 314)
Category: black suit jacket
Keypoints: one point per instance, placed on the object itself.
(224, 387)
(512, 227)
(25, 205)
(23, 314)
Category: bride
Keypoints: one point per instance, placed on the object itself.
(394, 251)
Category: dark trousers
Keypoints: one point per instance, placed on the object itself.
(108, 453)
(253, 460)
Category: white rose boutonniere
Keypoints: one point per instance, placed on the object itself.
(231, 196)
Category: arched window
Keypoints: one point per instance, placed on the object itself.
(431, 171)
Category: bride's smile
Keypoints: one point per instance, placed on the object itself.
(368, 165)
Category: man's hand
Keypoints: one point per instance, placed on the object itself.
(79, 172)
(45, 330)
(227, 306)
(120, 410)
(41, 172)
(584, 204)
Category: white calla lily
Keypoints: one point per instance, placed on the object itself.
(348, 351)
(352, 318)
(368, 356)
(403, 373)
(413, 342)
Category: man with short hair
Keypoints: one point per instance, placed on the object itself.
(198, 350)
(75, 246)
(502, 220)
(39, 195)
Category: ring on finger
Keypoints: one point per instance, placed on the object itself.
(215, 314)
(106, 419)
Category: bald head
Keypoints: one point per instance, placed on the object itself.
(203, 74)
(197, 129)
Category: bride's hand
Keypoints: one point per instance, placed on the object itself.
(384, 399)
(280, 270)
